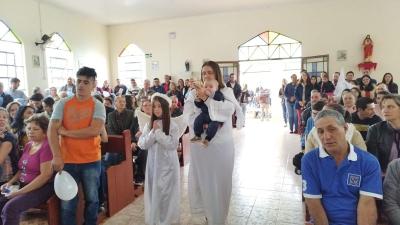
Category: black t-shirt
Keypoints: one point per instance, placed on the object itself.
(363, 125)
(14, 154)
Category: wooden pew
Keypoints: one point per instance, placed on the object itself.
(119, 179)
(120, 176)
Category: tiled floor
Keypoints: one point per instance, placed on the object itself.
(265, 188)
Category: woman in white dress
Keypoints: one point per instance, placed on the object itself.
(211, 167)
(162, 187)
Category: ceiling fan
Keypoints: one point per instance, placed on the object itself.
(45, 38)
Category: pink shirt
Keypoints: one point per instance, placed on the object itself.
(29, 165)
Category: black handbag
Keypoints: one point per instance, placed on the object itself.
(297, 162)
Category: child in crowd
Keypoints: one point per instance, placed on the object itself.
(162, 185)
(203, 118)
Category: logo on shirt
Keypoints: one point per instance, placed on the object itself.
(354, 180)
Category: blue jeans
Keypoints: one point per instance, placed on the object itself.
(89, 175)
(291, 110)
(284, 111)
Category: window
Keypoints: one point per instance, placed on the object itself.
(132, 64)
(11, 57)
(59, 61)
(316, 64)
(270, 45)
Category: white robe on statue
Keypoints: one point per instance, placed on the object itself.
(162, 185)
(211, 168)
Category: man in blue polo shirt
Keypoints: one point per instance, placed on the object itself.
(340, 181)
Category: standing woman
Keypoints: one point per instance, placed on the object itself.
(367, 87)
(303, 94)
(282, 96)
(326, 85)
(181, 88)
(314, 83)
(392, 86)
(244, 99)
(211, 167)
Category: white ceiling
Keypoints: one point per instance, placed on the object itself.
(111, 12)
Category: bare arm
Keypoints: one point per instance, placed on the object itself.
(5, 149)
(54, 142)
(92, 131)
(317, 211)
(45, 174)
(366, 211)
(103, 134)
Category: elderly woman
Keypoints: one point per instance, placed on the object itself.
(383, 138)
(210, 172)
(34, 174)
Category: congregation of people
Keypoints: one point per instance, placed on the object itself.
(61, 129)
(349, 130)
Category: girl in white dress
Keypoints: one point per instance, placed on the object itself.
(162, 185)
(211, 167)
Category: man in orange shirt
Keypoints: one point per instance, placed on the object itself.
(74, 137)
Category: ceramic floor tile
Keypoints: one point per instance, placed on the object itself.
(265, 189)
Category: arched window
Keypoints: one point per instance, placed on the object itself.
(267, 58)
(270, 45)
(12, 56)
(132, 64)
(59, 61)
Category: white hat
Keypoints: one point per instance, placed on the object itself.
(164, 96)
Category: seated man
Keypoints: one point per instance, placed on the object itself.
(365, 116)
(340, 181)
(121, 119)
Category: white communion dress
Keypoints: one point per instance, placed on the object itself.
(162, 185)
(211, 167)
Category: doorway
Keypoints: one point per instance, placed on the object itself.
(264, 61)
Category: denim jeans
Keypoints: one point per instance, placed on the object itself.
(291, 110)
(89, 175)
(284, 111)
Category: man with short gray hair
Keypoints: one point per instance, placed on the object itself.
(4, 98)
(146, 91)
(340, 181)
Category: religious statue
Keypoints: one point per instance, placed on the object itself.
(368, 48)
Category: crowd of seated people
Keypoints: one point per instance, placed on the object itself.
(352, 144)
(26, 154)
(371, 123)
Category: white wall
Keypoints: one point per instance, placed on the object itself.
(88, 39)
(322, 26)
